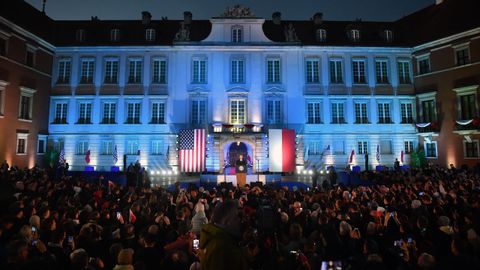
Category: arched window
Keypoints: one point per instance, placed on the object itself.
(150, 34)
(388, 34)
(115, 34)
(321, 35)
(237, 34)
(355, 35)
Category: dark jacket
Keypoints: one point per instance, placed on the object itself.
(221, 250)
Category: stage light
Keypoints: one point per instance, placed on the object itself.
(169, 172)
(152, 173)
(321, 172)
(310, 172)
(164, 172)
(158, 172)
(176, 172)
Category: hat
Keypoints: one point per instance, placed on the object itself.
(125, 257)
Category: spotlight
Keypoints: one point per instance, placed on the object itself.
(164, 172)
(310, 172)
(152, 173)
(169, 172)
(158, 172)
(321, 172)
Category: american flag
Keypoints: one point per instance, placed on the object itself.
(192, 150)
(61, 158)
(378, 153)
(115, 155)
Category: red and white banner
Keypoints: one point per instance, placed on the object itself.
(192, 150)
(281, 152)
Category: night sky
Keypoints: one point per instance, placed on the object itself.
(373, 10)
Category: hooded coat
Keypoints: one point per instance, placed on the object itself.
(221, 250)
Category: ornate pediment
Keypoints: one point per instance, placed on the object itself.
(237, 11)
(237, 90)
(274, 89)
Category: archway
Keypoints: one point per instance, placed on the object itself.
(235, 150)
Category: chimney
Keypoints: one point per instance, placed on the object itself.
(318, 18)
(146, 17)
(187, 17)
(438, 2)
(277, 18)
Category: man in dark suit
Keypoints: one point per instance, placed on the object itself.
(241, 171)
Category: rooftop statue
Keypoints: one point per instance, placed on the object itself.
(237, 11)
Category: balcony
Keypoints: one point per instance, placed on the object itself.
(428, 129)
(237, 128)
(467, 127)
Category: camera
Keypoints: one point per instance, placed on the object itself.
(196, 243)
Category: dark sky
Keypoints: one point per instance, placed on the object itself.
(374, 10)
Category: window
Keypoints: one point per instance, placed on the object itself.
(338, 147)
(30, 57)
(386, 147)
(199, 70)
(274, 112)
(82, 147)
(273, 70)
(462, 56)
(61, 109)
(238, 71)
(315, 148)
(158, 112)
(388, 34)
(159, 71)
(84, 113)
(404, 76)
(361, 113)
(336, 72)
(22, 140)
(134, 70)
(237, 111)
(467, 107)
(115, 35)
(2, 97)
(384, 113)
(3, 46)
(428, 111)
(355, 35)
(106, 148)
(150, 34)
(381, 71)
(26, 103)
(431, 149)
(338, 112)
(237, 34)
(59, 145)
(132, 148)
(312, 70)
(198, 113)
(111, 71)
(314, 112)
(359, 71)
(133, 113)
(408, 147)
(406, 111)
(157, 147)
(80, 35)
(109, 111)
(470, 149)
(64, 69)
(86, 76)
(423, 65)
(42, 144)
(362, 147)
(321, 35)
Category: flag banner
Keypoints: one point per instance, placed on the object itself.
(87, 157)
(167, 155)
(131, 217)
(305, 155)
(401, 156)
(327, 149)
(378, 153)
(281, 151)
(249, 160)
(192, 150)
(61, 158)
(115, 155)
(352, 154)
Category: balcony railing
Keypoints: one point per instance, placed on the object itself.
(238, 128)
(432, 128)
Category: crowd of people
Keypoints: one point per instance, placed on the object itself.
(416, 219)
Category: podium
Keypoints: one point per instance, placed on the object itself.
(241, 173)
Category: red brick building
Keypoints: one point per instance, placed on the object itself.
(445, 38)
(25, 81)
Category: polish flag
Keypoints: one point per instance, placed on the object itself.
(132, 217)
(352, 154)
(281, 152)
(401, 156)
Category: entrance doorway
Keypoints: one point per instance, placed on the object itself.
(235, 150)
